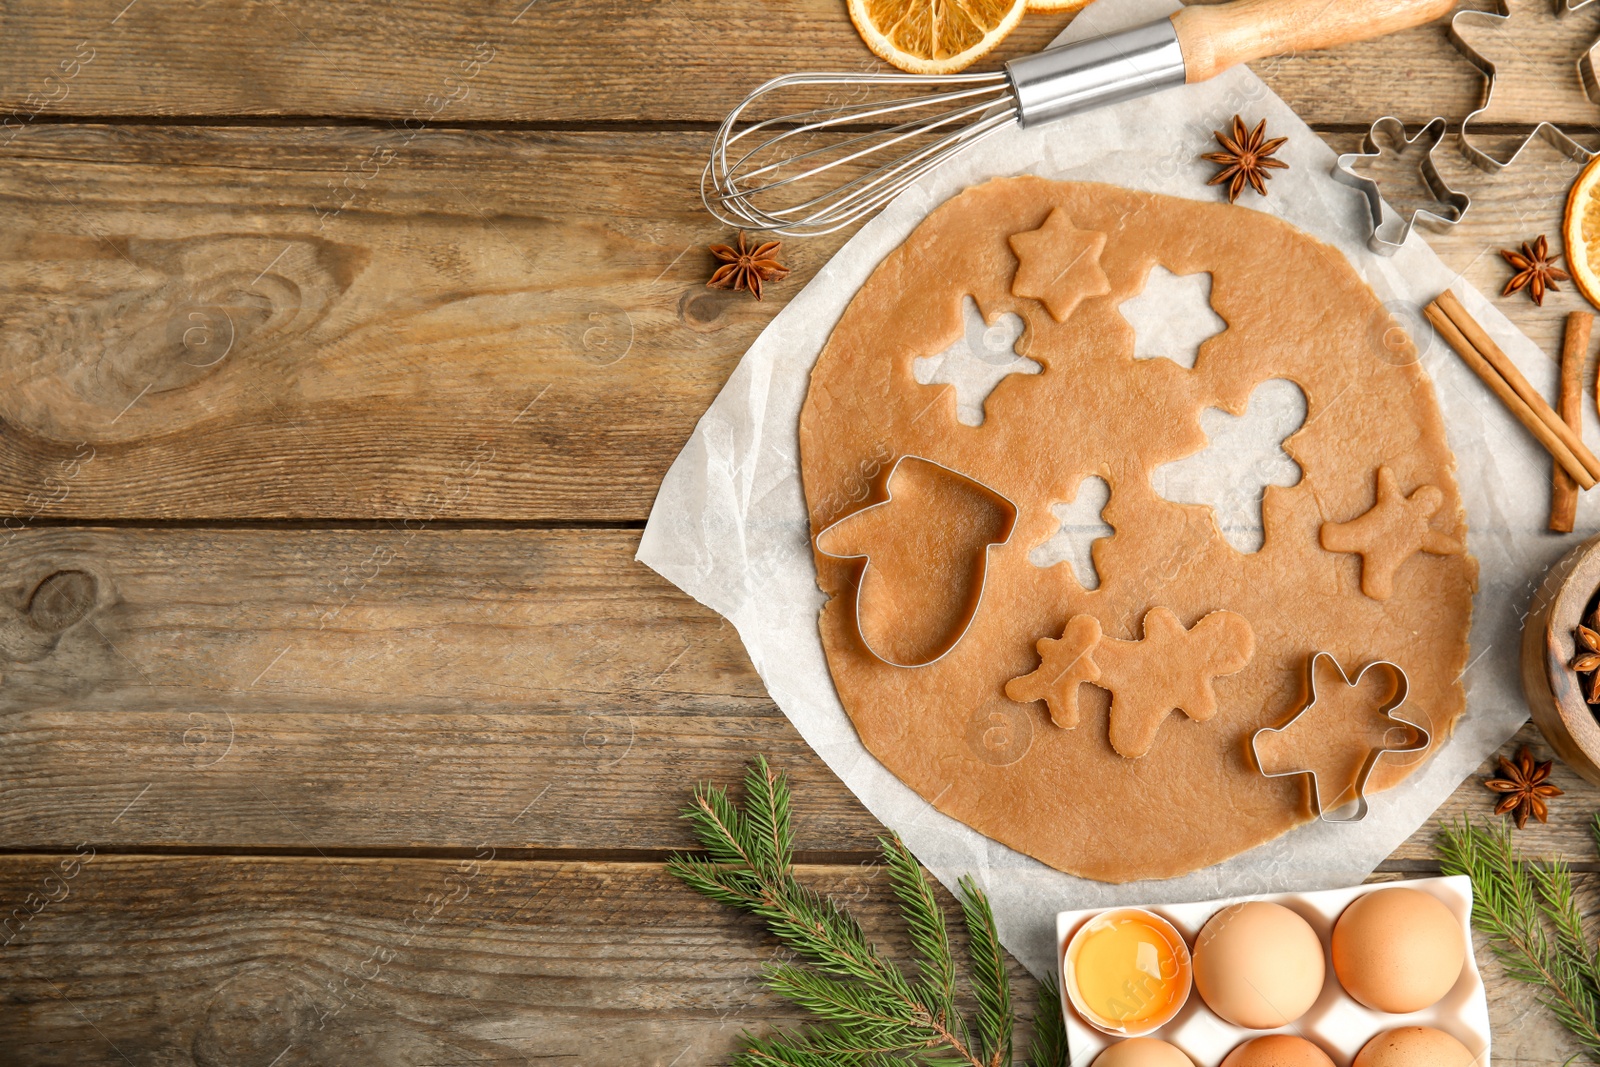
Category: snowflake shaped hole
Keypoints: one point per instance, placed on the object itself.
(977, 362)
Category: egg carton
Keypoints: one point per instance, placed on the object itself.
(1336, 1022)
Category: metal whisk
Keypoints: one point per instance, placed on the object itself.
(772, 174)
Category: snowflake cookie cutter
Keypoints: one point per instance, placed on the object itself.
(1547, 131)
(1394, 131)
(983, 581)
(1401, 690)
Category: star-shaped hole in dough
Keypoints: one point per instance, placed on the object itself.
(1059, 265)
(1243, 455)
(1172, 316)
(1082, 524)
(977, 362)
(1396, 528)
(1169, 669)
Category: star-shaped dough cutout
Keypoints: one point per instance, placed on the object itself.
(1059, 265)
(1169, 669)
(1063, 666)
(1396, 528)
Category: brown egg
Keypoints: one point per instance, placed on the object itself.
(1414, 1046)
(1258, 965)
(1143, 1052)
(1277, 1050)
(1398, 950)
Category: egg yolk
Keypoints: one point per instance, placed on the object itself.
(1126, 970)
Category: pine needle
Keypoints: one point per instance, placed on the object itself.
(924, 918)
(869, 1012)
(1517, 904)
(1049, 1045)
(990, 982)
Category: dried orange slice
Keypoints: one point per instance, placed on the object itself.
(1057, 5)
(1580, 232)
(934, 36)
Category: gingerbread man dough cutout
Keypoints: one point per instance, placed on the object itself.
(1169, 669)
(1396, 528)
(1063, 666)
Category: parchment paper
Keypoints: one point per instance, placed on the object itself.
(729, 526)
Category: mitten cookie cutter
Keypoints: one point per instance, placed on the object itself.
(1547, 131)
(1394, 130)
(983, 583)
(1402, 689)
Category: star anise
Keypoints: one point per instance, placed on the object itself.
(747, 268)
(1536, 270)
(1524, 786)
(1246, 158)
(1587, 661)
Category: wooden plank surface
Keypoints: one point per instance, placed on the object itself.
(483, 331)
(336, 262)
(321, 689)
(561, 61)
(222, 962)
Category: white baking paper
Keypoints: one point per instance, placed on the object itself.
(729, 526)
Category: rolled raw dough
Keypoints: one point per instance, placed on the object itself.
(1294, 309)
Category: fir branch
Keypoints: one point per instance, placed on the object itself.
(1574, 958)
(1511, 902)
(883, 1021)
(936, 964)
(814, 1046)
(990, 982)
(1048, 1048)
(719, 827)
(870, 1013)
(767, 813)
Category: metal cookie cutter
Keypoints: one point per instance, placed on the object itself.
(1402, 688)
(977, 601)
(1549, 132)
(1394, 131)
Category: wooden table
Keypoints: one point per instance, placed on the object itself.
(344, 347)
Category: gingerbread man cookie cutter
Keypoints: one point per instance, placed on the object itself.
(1394, 131)
(1401, 690)
(1546, 131)
(983, 581)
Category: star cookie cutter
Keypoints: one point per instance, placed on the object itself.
(1546, 131)
(983, 582)
(1401, 690)
(1394, 131)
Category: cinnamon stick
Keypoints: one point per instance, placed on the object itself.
(1508, 396)
(1569, 405)
(1490, 351)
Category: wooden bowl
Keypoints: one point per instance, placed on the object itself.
(1554, 695)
